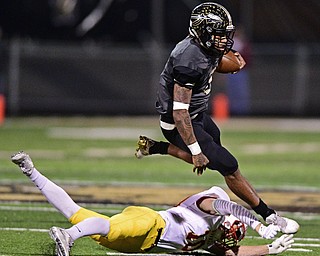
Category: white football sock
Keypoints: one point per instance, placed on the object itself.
(54, 194)
(90, 226)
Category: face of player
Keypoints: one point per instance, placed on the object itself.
(220, 42)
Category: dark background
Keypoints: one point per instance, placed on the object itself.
(125, 20)
(50, 66)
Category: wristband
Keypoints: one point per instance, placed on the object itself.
(179, 105)
(195, 148)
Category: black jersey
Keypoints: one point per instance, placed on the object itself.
(189, 66)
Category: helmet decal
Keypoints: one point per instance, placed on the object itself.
(210, 23)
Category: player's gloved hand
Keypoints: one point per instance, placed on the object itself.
(268, 232)
(281, 244)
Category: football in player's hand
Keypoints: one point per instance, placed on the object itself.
(230, 63)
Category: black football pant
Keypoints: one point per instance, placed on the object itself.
(208, 137)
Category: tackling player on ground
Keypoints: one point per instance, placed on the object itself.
(207, 220)
(183, 95)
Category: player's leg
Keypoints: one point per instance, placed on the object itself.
(64, 238)
(179, 153)
(86, 223)
(176, 146)
(135, 229)
(54, 194)
(220, 159)
(223, 161)
(147, 146)
(240, 186)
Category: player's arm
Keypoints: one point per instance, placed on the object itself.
(250, 250)
(279, 245)
(223, 207)
(181, 101)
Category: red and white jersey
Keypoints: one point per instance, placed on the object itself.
(189, 228)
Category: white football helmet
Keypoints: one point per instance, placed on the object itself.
(233, 231)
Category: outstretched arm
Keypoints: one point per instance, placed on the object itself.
(224, 207)
(279, 245)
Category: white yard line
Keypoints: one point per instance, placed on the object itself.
(50, 209)
(264, 148)
(100, 133)
(299, 250)
(308, 245)
(25, 229)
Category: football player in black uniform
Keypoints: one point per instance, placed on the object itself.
(183, 95)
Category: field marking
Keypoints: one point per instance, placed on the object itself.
(271, 124)
(27, 208)
(249, 237)
(299, 250)
(307, 239)
(105, 209)
(48, 209)
(98, 152)
(295, 238)
(264, 148)
(302, 245)
(164, 254)
(297, 244)
(99, 133)
(25, 229)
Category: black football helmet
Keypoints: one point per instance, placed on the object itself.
(209, 23)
